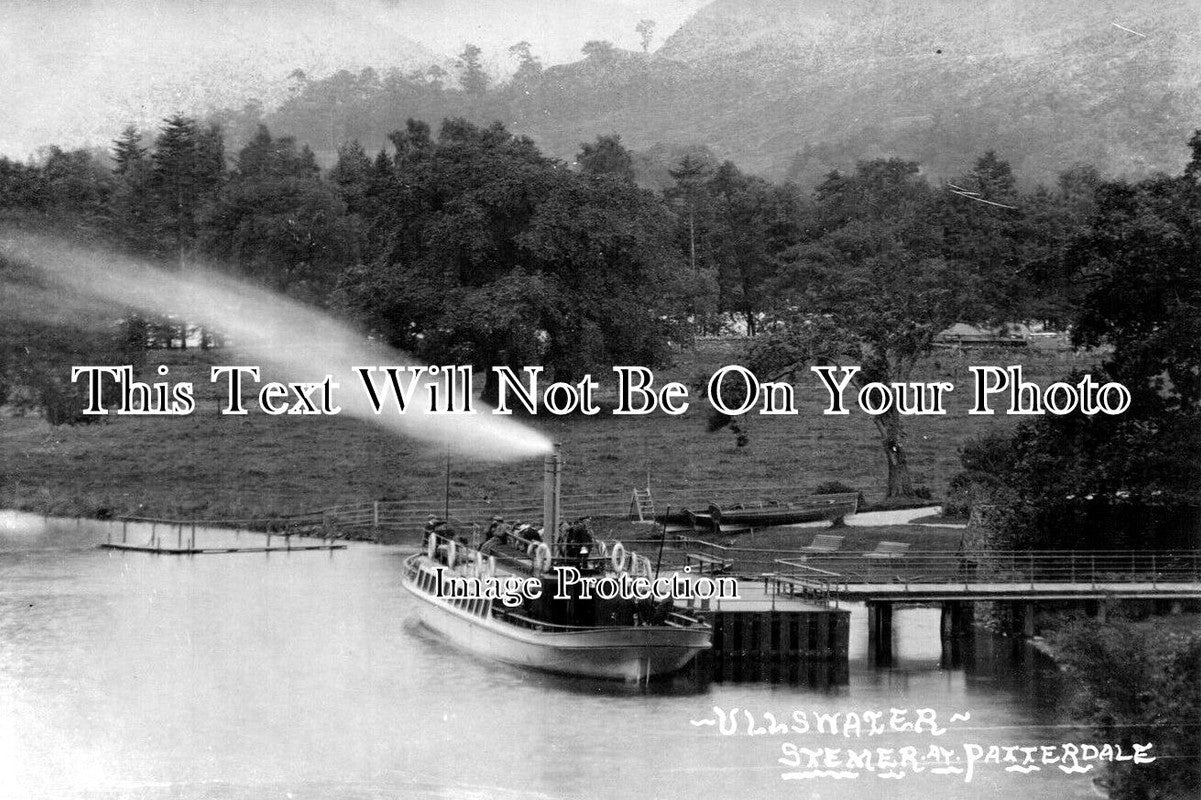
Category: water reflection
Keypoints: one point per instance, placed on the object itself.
(249, 676)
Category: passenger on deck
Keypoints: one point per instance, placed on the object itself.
(526, 532)
(497, 530)
(579, 542)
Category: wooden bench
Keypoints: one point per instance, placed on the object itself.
(888, 550)
(825, 543)
(715, 565)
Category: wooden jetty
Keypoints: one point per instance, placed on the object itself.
(191, 551)
(185, 540)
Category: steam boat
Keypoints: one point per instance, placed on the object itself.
(582, 633)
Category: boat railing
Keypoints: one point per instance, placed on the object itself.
(519, 554)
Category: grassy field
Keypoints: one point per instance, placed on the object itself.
(210, 466)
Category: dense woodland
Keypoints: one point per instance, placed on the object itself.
(468, 245)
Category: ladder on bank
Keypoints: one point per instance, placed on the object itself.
(642, 504)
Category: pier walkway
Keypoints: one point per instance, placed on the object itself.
(1017, 580)
(995, 575)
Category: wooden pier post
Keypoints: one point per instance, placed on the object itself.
(1023, 617)
(879, 633)
(955, 619)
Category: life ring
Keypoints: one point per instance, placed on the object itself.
(431, 547)
(641, 568)
(604, 549)
(541, 557)
(452, 553)
(618, 557)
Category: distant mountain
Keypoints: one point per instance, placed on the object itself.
(794, 88)
(79, 72)
(1044, 82)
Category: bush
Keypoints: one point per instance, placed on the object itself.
(1140, 684)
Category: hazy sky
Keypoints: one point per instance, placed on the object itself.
(76, 71)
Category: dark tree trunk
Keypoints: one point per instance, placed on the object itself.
(900, 484)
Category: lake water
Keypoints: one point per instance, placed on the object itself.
(301, 675)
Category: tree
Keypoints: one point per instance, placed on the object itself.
(485, 251)
(1130, 480)
(76, 185)
(689, 197)
(264, 156)
(132, 208)
(646, 31)
(472, 76)
(21, 186)
(984, 224)
(753, 225)
(1143, 248)
(351, 176)
(128, 150)
(1048, 286)
(606, 156)
(188, 168)
(598, 50)
(869, 286)
(529, 66)
(690, 177)
(276, 221)
(607, 245)
(436, 76)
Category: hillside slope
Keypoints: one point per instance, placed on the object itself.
(793, 88)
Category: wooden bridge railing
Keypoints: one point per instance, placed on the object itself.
(1014, 567)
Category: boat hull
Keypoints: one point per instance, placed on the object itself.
(613, 653)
